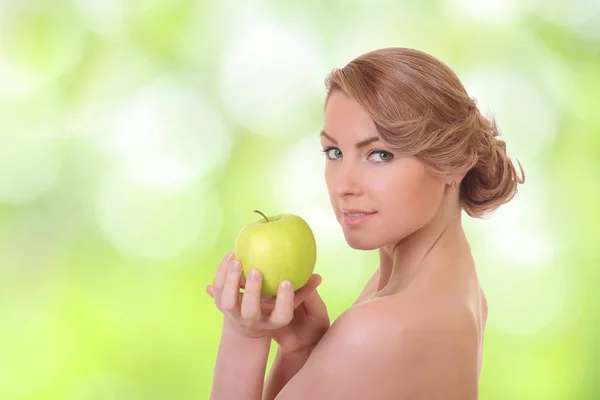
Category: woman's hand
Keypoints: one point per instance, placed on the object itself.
(309, 324)
(295, 320)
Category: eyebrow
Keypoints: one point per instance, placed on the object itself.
(360, 144)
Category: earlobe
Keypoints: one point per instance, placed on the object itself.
(452, 186)
(456, 180)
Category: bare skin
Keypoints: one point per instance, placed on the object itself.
(426, 289)
(464, 290)
(416, 330)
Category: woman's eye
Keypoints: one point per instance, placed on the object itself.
(333, 153)
(381, 156)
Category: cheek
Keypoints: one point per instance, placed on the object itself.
(411, 198)
(329, 180)
(328, 176)
(329, 183)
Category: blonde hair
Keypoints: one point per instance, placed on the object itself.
(421, 108)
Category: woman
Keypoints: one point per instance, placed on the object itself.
(406, 151)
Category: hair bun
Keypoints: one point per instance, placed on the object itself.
(493, 180)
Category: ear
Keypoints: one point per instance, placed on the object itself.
(458, 178)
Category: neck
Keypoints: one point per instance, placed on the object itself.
(401, 263)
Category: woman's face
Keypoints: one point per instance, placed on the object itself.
(378, 196)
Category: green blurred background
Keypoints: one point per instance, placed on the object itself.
(137, 137)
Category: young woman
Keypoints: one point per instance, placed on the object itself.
(407, 151)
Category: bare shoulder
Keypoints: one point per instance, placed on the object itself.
(392, 348)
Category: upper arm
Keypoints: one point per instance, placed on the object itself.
(365, 356)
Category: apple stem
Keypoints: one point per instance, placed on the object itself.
(264, 216)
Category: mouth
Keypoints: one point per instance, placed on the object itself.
(357, 213)
(354, 218)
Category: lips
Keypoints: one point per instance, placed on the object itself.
(354, 212)
(354, 217)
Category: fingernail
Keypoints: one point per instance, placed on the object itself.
(237, 267)
(254, 275)
(229, 256)
(286, 285)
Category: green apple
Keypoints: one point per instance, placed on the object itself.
(282, 247)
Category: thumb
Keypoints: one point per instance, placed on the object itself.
(315, 306)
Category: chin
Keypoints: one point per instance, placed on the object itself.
(359, 242)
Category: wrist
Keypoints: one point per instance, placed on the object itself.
(240, 365)
(230, 331)
(299, 354)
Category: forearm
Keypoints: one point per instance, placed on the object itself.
(284, 367)
(240, 366)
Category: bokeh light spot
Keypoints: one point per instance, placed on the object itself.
(270, 72)
(525, 117)
(30, 166)
(168, 136)
(152, 224)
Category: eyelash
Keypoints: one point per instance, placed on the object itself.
(326, 150)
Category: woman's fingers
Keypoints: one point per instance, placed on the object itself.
(284, 305)
(251, 306)
(268, 302)
(231, 290)
(251, 309)
(219, 281)
(305, 291)
(210, 291)
(315, 306)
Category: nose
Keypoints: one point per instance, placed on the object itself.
(347, 180)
